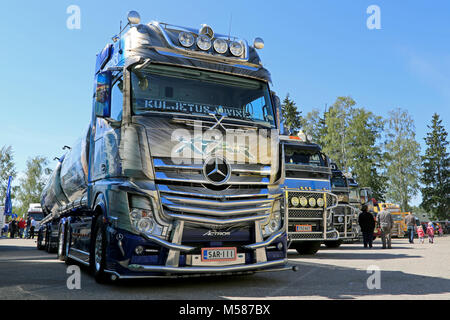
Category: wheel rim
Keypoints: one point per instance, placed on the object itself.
(98, 250)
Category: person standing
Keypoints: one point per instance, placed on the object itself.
(430, 232)
(22, 225)
(410, 221)
(367, 224)
(13, 228)
(27, 229)
(421, 234)
(32, 228)
(385, 221)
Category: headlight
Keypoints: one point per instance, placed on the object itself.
(312, 202)
(295, 201)
(329, 217)
(203, 42)
(142, 221)
(303, 201)
(340, 219)
(186, 39)
(274, 222)
(236, 48)
(220, 46)
(320, 202)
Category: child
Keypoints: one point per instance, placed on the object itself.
(430, 232)
(441, 232)
(420, 234)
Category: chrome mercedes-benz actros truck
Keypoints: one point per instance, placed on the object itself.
(308, 194)
(179, 172)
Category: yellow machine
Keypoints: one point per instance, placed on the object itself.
(399, 229)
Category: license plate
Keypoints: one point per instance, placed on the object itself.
(218, 254)
(303, 228)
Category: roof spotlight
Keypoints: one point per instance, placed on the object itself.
(220, 45)
(236, 48)
(258, 43)
(203, 42)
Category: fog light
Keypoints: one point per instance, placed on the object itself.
(303, 201)
(139, 250)
(295, 201)
(312, 202)
(280, 246)
(340, 219)
(320, 202)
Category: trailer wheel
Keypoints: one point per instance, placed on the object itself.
(310, 247)
(98, 253)
(333, 244)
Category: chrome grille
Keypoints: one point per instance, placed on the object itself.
(187, 195)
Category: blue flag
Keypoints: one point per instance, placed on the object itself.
(8, 204)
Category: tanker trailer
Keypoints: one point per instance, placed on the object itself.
(65, 191)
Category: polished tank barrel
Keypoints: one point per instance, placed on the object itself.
(68, 181)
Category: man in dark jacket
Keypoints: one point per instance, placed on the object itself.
(367, 224)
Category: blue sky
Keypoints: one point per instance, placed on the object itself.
(315, 50)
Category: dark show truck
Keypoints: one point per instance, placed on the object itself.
(345, 215)
(308, 194)
(179, 172)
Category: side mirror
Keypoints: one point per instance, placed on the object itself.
(103, 95)
(277, 106)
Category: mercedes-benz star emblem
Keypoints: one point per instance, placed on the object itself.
(216, 170)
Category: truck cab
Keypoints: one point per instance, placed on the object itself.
(345, 215)
(308, 194)
(179, 172)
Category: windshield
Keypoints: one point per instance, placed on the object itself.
(36, 216)
(168, 89)
(338, 182)
(294, 155)
(354, 196)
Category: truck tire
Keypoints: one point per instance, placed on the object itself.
(310, 247)
(39, 241)
(333, 244)
(98, 252)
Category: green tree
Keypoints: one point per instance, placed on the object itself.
(314, 126)
(364, 152)
(436, 172)
(292, 117)
(7, 168)
(335, 141)
(402, 155)
(32, 184)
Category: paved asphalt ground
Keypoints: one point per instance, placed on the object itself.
(408, 271)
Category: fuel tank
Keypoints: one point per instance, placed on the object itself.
(68, 181)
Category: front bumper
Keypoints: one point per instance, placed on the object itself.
(170, 260)
(141, 271)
